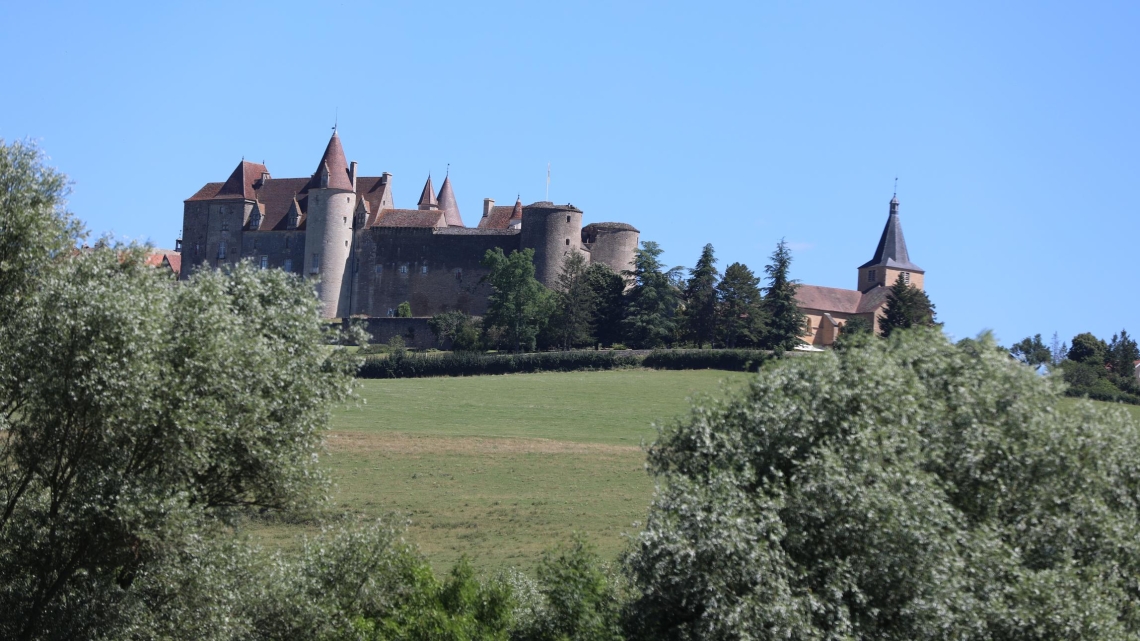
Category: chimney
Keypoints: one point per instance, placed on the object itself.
(352, 174)
(384, 177)
(488, 204)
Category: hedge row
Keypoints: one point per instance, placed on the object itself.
(474, 364)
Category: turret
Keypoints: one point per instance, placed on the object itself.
(611, 244)
(551, 231)
(448, 205)
(427, 197)
(891, 258)
(328, 229)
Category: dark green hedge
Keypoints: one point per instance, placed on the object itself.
(474, 364)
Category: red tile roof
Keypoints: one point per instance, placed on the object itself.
(412, 218)
(828, 299)
(448, 205)
(334, 162)
(241, 182)
(499, 218)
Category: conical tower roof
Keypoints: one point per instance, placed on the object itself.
(334, 165)
(447, 203)
(891, 251)
(516, 213)
(427, 196)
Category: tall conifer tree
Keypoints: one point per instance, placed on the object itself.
(907, 306)
(785, 320)
(651, 305)
(740, 317)
(700, 299)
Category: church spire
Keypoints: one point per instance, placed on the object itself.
(427, 197)
(332, 170)
(891, 258)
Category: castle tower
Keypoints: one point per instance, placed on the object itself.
(551, 231)
(891, 258)
(447, 203)
(328, 229)
(427, 197)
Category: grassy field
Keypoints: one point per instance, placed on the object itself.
(501, 467)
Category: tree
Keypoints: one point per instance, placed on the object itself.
(575, 302)
(579, 598)
(608, 289)
(404, 310)
(1032, 351)
(519, 305)
(1088, 349)
(961, 499)
(457, 327)
(785, 320)
(740, 313)
(651, 305)
(1122, 355)
(701, 299)
(854, 333)
(1058, 350)
(907, 306)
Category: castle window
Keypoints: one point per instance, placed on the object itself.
(346, 243)
(345, 219)
(567, 218)
(423, 269)
(404, 268)
(316, 266)
(225, 224)
(871, 276)
(288, 264)
(222, 250)
(265, 262)
(567, 241)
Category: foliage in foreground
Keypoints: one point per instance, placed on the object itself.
(959, 500)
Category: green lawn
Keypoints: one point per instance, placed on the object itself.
(501, 467)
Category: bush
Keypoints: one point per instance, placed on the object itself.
(735, 360)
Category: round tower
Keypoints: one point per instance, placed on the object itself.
(328, 230)
(551, 231)
(611, 244)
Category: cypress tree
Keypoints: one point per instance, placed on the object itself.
(785, 320)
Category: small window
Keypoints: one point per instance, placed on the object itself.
(423, 269)
(567, 241)
(288, 266)
(315, 268)
(345, 219)
(346, 243)
(403, 270)
(225, 225)
(871, 276)
(265, 262)
(222, 250)
(567, 217)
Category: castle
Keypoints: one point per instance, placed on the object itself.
(370, 256)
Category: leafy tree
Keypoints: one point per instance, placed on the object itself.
(404, 310)
(785, 320)
(855, 332)
(651, 305)
(1087, 348)
(457, 327)
(580, 600)
(740, 313)
(608, 289)
(1032, 351)
(962, 499)
(519, 306)
(700, 298)
(907, 306)
(575, 303)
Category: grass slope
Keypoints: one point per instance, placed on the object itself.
(501, 467)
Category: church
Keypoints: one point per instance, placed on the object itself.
(829, 308)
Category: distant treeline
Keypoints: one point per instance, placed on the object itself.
(1092, 367)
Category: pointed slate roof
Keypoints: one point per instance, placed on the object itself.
(334, 164)
(447, 203)
(427, 196)
(240, 184)
(891, 251)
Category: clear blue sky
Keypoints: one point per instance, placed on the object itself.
(1012, 126)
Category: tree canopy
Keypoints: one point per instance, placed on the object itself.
(740, 312)
(961, 499)
(700, 297)
(785, 321)
(519, 305)
(651, 304)
(907, 306)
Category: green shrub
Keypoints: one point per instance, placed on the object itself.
(737, 360)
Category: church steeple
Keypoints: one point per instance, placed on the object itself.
(427, 197)
(891, 257)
